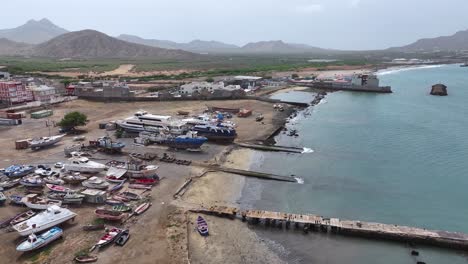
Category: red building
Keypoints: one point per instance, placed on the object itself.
(15, 93)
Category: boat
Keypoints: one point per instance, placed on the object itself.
(108, 144)
(95, 183)
(109, 215)
(191, 140)
(58, 188)
(116, 187)
(142, 208)
(9, 183)
(34, 242)
(83, 164)
(183, 113)
(52, 216)
(33, 201)
(259, 118)
(32, 181)
(68, 198)
(93, 227)
(121, 208)
(202, 226)
(16, 199)
(42, 142)
(153, 123)
(114, 202)
(114, 179)
(85, 259)
(131, 196)
(74, 178)
(123, 238)
(54, 180)
(44, 172)
(216, 133)
(2, 198)
(144, 181)
(134, 168)
(223, 109)
(15, 171)
(464, 64)
(109, 237)
(22, 217)
(140, 186)
(121, 198)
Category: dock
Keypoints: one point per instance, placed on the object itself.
(249, 173)
(270, 148)
(316, 223)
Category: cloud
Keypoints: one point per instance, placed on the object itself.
(309, 9)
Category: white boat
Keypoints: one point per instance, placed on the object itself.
(33, 201)
(54, 215)
(96, 183)
(34, 242)
(143, 121)
(83, 164)
(37, 143)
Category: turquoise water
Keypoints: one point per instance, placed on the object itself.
(396, 158)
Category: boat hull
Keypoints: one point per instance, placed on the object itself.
(42, 240)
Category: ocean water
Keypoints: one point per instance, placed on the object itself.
(398, 158)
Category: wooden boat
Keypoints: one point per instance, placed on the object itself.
(121, 198)
(33, 201)
(93, 227)
(9, 183)
(114, 179)
(121, 208)
(54, 180)
(2, 198)
(86, 259)
(58, 188)
(114, 202)
(123, 238)
(75, 178)
(33, 181)
(117, 187)
(144, 181)
(202, 226)
(142, 208)
(22, 217)
(131, 196)
(109, 215)
(140, 186)
(6, 222)
(16, 199)
(95, 183)
(109, 237)
(34, 242)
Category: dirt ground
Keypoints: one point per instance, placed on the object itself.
(160, 234)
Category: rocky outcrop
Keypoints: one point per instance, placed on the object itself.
(439, 89)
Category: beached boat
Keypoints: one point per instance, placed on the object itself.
(2, 198)
(153, 123)
(108, 144)
(22, 217)
(94, 227)
(121, 208)
(109, 237)
(32, 181)
(140, 186)
(142, 208)
(188, 141)
(131, 196)
(74, 178)
(134, 168)
(259, 118)
(123, 238)
(216, 133)
(109, 215)
(202, 226)
(34, 242)
(114, 179)
(95, 183)
(33, 201)
(83, 164)
(6, 221)
(16, 199)
(117, 187)
(44, 172)
(85, 259)
(54, 180)
(15, 171)
(67, 198)
(144, 181)
(113, 202)
(42, 142)
(52, 216)
(9, 183)
(58, 188)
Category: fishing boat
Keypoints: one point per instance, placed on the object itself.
(85, 259)
(202, 226)
(9, 183)
(121, 208)
(188, 141)
(134, 168)
(54, 180)
(140, 186)
(114, 179)
(33, 201)
(42, 142)
(216, 133)
(2, 198)
(16, 199)
(144, 181)
(93, 227)
(109, 237)
(131, 196)
(74, 178)
(109, 215)
(34, 242)
(123, 238)
(15, 171)
(44, 172)
(22, 217)
(113, 202)
(108, 144)
(117, 187)
(58, 188)
(67, 198)
(142, 208)
(32, 181)
(83, 164)
(95, 183)
(52, 216)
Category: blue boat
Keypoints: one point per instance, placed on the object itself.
(189, 141)
(16, 199)
(15, 171)
(202, 226)
(216, 133)
(34, 242)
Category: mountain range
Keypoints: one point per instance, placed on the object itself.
(33, 32)
(457, 41)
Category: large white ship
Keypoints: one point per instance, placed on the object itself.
(54, 215)
(143, 121)
(83, 164)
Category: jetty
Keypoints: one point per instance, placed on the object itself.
(270, 148)
(316, 223)
(248, 173)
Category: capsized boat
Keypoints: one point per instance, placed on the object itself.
(109, 237)
(33, 201)
(83, 164)
(202, 226)
(14, 171)
(32, 181)
(22, 217)
(42, 142)
(52, 216)
(34, 242)
(109, 215)
(96, 183)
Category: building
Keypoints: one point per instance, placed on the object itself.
(15, 93)
(43, 93)
(4, 75)
(100, 89)
(204, 87)
(369, 80)
(246, 82)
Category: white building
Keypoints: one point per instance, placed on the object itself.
(365, 80)
(4, 75)
(43, 93)
(200, 87)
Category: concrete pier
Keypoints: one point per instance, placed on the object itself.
(271, 148)
(372, 230)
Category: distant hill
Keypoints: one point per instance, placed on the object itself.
(94, 44)
(33, 32)
(11, 48)
(199, 46)
(458, 41)
(278, 46)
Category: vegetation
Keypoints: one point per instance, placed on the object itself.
(118, 133)
(209, 79)
(72, 120)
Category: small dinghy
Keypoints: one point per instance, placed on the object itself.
(34, 242)
(95, 183)
(86, 259)
(123, 238)
(121, 208)
(58, 188)
(145, 181)
(54, 180)
(114, 202)
(93, 227)
(2, 198)
(202, 226)
(142, 208)
(140, 187)
(117, 187)
(121, 198)
(109, 215)
(131, 196)
(16, 199)
(109, 237)
(22, 217)
(33, 181)
(33, 201)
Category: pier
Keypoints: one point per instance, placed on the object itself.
(248, 173)
(316, 223)
(270, 148)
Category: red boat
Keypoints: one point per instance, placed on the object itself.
(114, 179)
(145, 181)
(58, 188)
(109, 237)
(109, 215)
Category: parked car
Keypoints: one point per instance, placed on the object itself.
(58, 165)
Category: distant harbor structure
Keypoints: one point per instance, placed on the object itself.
(439, 89)
(357, 82)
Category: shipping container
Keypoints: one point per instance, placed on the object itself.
(10, 122)
(22, 144)
(42, 114)
(13, 115)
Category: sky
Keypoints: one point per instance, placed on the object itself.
(337, 24)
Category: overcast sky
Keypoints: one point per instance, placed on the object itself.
(340, 24)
